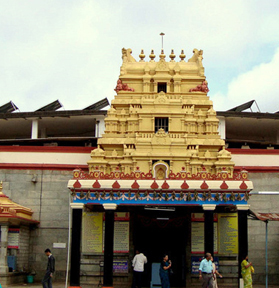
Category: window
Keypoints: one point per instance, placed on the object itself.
(162, 87)
(161, 123)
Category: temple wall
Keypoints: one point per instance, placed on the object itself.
(256, 229)
(23, 252)
(49, 199)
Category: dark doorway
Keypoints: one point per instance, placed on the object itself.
(158, 233)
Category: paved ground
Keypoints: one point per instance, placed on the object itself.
(62, 285)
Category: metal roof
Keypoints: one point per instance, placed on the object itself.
(264, 216)
(98, 105)
(8, 107)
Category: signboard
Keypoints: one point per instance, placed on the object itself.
(197, 238)
(197, 235)
(120, 266)
(59, 245)
(121, 236)
(92, 232)
(13, 238)
(228, 233)
(195, 263)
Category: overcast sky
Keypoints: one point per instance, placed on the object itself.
(71, 49)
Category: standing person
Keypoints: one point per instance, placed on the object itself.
(138, 267)
(164, 272)
(246, 272)
(206, 271)
(47, 280)
(215, 272)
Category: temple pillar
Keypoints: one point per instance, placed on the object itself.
(4, 269)
(77, 209)
(209, 228)
(242, 234)
(108, 247)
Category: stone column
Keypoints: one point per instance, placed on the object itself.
(4, 269)
(209, 228)
(242, 234)
(108, 247)
(77, 209)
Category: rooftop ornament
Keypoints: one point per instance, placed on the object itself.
(201, 88)
(122, 87)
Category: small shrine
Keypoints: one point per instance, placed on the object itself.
(15, 223)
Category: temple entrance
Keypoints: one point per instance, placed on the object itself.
(161, 232)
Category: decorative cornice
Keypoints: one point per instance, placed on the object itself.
(208, 207)
(77, 205)
(243, 207)
(110, 206)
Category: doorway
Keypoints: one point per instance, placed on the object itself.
(157, 233)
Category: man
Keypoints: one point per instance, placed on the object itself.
(47, 280)
(138, 266)
(206, 271)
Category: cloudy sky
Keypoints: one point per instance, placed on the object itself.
(71, 49)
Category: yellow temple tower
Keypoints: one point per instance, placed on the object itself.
(161, 157)
(161, 120)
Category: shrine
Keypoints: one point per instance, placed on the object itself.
(160, 180)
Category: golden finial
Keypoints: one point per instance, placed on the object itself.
(162, 55)
(152, 56)
(172, 56)
(142, 56)
(182, 56)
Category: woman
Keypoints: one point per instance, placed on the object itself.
(246, 272)
(215, 273)
(164, 272)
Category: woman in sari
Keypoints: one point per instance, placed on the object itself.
(215, 273)
(246, 272)
(164, 272)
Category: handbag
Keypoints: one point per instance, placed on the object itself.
(252, 269)
(171, 271)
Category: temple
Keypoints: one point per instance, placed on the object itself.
(16, 222)
(160, 180)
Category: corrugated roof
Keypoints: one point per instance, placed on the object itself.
(264, 216)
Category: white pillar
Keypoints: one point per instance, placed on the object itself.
(35, 129)
(222, 127)
(4, 269)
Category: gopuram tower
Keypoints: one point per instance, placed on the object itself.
(161, 157)
(161, 120)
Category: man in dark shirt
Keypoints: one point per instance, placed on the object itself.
(47, 280)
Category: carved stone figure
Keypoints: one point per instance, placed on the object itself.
(126, 55)
(122, 87)
(194, 58)
(201, 88)
(197, 57)
(160, 174)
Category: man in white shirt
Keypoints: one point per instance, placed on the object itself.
(138, 267)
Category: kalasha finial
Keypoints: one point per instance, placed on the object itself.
(142, 56)
(162, 55)
(182, 56)
(172, 56)
(152, 56)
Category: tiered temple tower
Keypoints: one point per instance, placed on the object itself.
(161, 120)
